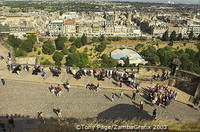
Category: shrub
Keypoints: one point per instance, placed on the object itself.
(19, 53)
(34, 49)
(71, 39)
(58, 56)
(108, 62)
(72, 49)
(77, 59)
(39, 52)
(65, 51)
(60, 42)
(46, 62)
(139, 47)
(48, 48)
(58, 63)
(101, 47)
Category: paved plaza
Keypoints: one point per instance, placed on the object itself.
(25, 98)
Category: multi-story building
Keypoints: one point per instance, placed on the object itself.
(194, 28)
(159, 30)
(70, 27)
(178, 29)
(56, 27)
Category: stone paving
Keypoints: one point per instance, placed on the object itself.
(27, 98)
(26, 94)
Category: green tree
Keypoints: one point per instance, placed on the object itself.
(165, 36)
(150, 55)
(58, 56)
(27, 45)
(14, 41)
(77, 43)
(60, 42)
(32, 38)
(173, 36)
(72, 49)
(77, 59)
(145, 27)
(84, 39)
(19, 52)
(71, 39)
(180, 37)
(48, 48)
(139, 47)
(101, 47)
(166, 55)
(191, 35)
(46, 62)
(102, 38)
(65, 51)
(58, 63)
(108, 62)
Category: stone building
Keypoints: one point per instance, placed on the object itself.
(56, 27)
(70, 27)
(194, 28)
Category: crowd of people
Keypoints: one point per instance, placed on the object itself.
(164, 76)
(91, 86)
(161, 95)
(57, 90)
(10, 125)
(121, 77)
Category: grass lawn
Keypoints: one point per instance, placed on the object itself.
(94, 56)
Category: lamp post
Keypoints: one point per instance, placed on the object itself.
(175, 65)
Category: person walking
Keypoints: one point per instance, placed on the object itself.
(198, 105)
(112, 97)
(41, 118)
(11, 123)
(43, 74)
(59, 113)
(3, 81)
(154, 114)
(134, 95)
(141, 105)
(122, 94)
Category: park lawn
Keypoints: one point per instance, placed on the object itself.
(95, 56)
(161, 44)
(130, 42)
(180, 45)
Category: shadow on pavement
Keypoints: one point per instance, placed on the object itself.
(128, 96)
(124, 112)
(108, 98)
